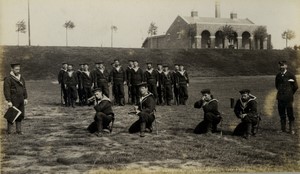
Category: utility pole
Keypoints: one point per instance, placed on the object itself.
(29, 41)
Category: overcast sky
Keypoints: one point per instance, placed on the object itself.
(93, 19)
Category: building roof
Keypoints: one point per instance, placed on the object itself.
(211, 20)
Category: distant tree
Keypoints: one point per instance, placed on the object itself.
(113, 28)
(152, 31)
(68, 25)
(21, 27)
(228, 33)
(288, 35)
(260, 34)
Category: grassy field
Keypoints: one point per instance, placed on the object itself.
(56, 140)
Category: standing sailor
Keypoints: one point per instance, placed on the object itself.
(118, 78)
(62, 84)
(71, 85)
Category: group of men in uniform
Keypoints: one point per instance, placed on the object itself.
(144, 88)
(161, 82)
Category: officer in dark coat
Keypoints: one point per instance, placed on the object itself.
(71, 85)
(175, 83)
(212, 116)
(166, 82)
(104, 114)
(145, 111)
(136, 76)
(80, 85)
(118, 78)
(183, 83)
(61, 82)
(128, 71)
(87, 83)
(159, 72)
(286, 85)
(15, 95)
(101, 78)
(246, 110)
(151, 78)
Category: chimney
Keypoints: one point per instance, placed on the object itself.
(233, 15)
(217, 9)
(194, 13)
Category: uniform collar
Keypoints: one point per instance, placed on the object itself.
(14, 76)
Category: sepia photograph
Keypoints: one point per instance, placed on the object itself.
(149, 86)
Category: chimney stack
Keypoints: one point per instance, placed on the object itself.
(194, 13)
(233, 15)
(217, 9)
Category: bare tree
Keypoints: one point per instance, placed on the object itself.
(113, 29)
(21, 27)
(288, 35)
(260, 34)
(152, 31)
(68, 25)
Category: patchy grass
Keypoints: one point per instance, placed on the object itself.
(56, 139)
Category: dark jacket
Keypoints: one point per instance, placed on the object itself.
(182, 78)
(147, 104)
(104, 106)
(14, 89)
(70, 80)
(128, 71)
(249, 107)
(285, 88)
(167, 79)
(99, 77)
(86, 79)
(136, 77)
(60, 77)
(79, 77)
(117, 76)
(151, 78)
(208, 107)
(159, 77)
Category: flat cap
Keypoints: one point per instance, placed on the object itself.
(14, 65)
(282, 63)
(99, 63)
(205, 91)
(142, 84)
(96, 89)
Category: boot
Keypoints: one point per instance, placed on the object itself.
(291, 127)
(122, 102)
(283, 125)
(19, 128)
(9, 127)
(73, 103)
(143, 128)
(248, 131)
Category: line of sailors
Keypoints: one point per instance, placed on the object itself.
(162, 82)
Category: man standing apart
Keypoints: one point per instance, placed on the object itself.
(61, 82)
(118, 78)
(16, 95)
(286, 85)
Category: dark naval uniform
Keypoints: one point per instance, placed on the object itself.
(151, 78)
(286, 84)
(80, 87)
(146, 115)
(101, 79)
(87, 82)
(167, 82)
(136, 76)
(249, 122)
(60, 79)
(159, 87)
(175, 86)
(103, 117)
(71, 84)
(118, 77)
(183, 81)
(212, 116)
(128, 71)
(15, 92)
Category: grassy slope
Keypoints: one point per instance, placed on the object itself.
(56, 140)
(44, 62)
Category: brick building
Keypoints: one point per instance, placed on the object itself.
(205, 32)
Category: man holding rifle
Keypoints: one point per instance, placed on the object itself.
(145, 111)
